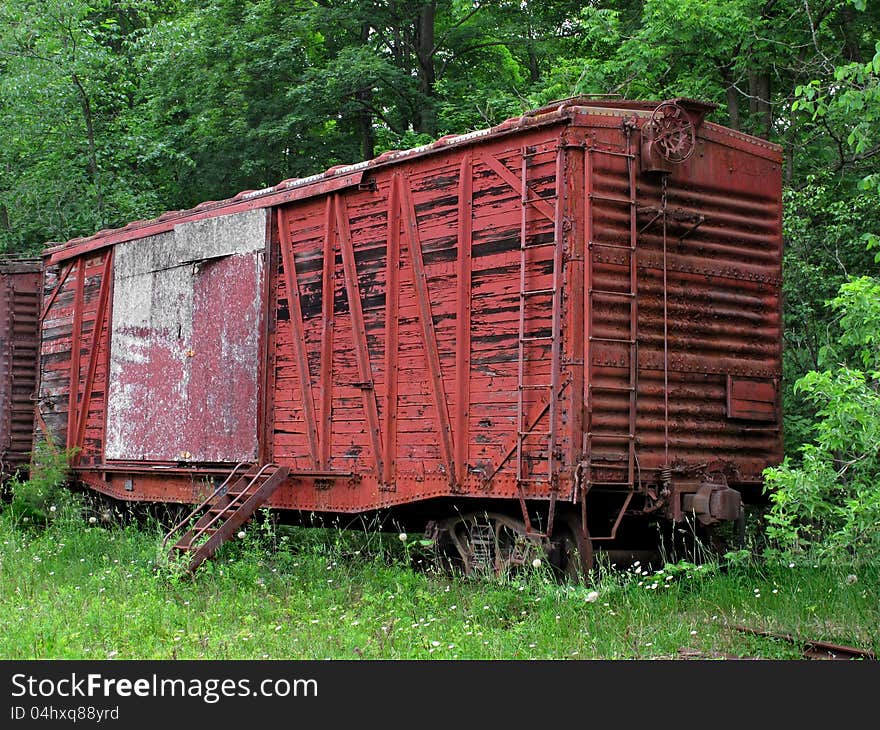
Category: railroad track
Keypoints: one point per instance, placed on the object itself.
(812, 648)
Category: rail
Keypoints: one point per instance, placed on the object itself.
(204, 503)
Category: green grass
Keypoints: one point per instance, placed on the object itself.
(75, 590)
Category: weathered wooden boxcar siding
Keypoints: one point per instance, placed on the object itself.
(76, 299)
(723, 304)
(19, 342)
(413, 454)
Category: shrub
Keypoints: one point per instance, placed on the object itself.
(828, 504)
(44, 494)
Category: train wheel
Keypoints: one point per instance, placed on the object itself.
(491, 543)
(573, 557)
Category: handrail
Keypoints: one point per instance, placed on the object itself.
(201, 530)
(213, 494)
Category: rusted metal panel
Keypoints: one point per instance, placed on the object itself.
(185, 336)
(19, 315)
(394, 320)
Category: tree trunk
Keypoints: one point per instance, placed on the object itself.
(759, 102)
(365, 116)
(849, 30)
(732, 99)
(427, 116)
(93, 154)
(765, 115)
(534, 68)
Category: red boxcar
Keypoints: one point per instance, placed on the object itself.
(571, 317)
(20, 283)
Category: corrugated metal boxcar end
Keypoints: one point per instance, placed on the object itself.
(537, 333)
(19, 345)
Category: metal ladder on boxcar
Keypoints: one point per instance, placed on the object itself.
(228, 507)
(527, 343)
(626, 298)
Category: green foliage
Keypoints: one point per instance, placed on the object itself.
(44, 495)
(828, 505)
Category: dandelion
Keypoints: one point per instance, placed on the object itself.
(775, 591)
(669, 577)
(532, 646)
(241, 534)
(278, 628)
(92, 520)
(402, 537)
(592, 596)
(850, 579)
(536, 563)
(53, 508)
(435, 643)
(791, 565)
(693, 633)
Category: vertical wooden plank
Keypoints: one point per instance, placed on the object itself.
(97, 331)
(463, 318)
(299, 342)
(359, 332)
(429, 337)
(328, 291)
(51, 300)
(392, 332)
(75, 350)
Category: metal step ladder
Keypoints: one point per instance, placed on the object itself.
(533, 346)
(611, 451)
(215, 520)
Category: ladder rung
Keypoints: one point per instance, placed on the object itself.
(535, 387)
(539, 198)
(612, 339)
(621, 388)
(612, 199)
(536, 292)
(546, 480)
(609, 293)
(536, 338)
(620, 246)
(610, 436)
